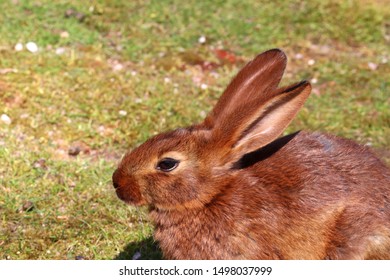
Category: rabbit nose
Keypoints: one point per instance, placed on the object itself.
(126, 187)
(115, 185)
(115, 179)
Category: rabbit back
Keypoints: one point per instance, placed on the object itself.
(331, 185)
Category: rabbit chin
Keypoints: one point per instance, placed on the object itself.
(185, 206)
(133, 198)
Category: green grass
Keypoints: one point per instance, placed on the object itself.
(112, 73)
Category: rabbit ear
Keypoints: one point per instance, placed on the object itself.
(271, 119)
(247, 90)
(263, 125)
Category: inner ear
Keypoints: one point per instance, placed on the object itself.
(274, 113)
(249, 88)
(272, 119)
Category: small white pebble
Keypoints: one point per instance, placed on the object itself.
(19, 47)
(8, 70)
(203, 86)
(48, 251)
(138, 100)
(117, 67)
(136, 256)
(373, 66)
(215, 75)
(298, 56)
(64, 34)
(202, 39)
(32, 47)
(133, 73)
(384, 60)
(202, 114)
(60, 51)
(6, 119)
(316, 91)
(167, 80)
(122, 113)
(311, 62)
(196, 79)
(314, 81)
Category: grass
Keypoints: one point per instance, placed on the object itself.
(109, 74)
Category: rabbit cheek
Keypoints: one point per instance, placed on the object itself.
(166, 192)
(156, 192)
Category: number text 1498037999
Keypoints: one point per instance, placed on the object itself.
(245, 270)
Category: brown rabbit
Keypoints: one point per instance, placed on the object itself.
(227, 188)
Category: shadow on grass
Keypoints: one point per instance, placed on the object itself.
(146, 249)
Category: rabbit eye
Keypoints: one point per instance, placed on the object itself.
(167, 164)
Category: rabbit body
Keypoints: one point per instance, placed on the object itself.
(229, 188)
(278, 208)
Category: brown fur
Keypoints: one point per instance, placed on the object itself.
(241, 193)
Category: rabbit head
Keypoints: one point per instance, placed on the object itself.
(187, 167)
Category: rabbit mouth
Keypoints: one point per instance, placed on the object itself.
(130, 198)
(126, 189)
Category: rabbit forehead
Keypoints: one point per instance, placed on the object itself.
(179, 144)
(178, 155)
(171, 144)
